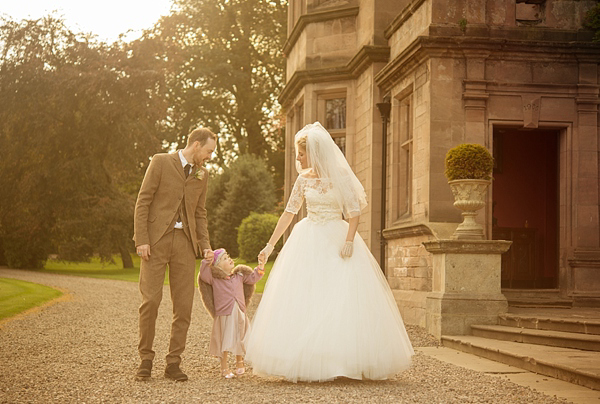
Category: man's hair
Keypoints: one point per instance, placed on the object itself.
(200, 135)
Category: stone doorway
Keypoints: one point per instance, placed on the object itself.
(525, 206)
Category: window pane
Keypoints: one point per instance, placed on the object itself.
(335, 113)
(341, 142)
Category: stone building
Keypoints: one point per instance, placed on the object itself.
(518, 76)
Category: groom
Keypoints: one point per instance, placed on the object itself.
(170, 228)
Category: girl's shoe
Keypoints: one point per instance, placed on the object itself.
(240, 368)
(227, 374)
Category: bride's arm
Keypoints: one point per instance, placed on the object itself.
(353, 222)
(283, 223)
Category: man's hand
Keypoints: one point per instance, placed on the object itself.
(208, 254)
(347, 249)
(143, 251)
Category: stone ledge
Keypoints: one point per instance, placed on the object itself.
(467, 247)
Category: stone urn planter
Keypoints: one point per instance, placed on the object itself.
(469, 197)
(469, 172)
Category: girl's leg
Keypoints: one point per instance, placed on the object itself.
(239, 365)
(225, 367)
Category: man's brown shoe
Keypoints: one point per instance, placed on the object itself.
(174, 373)
(145, 370)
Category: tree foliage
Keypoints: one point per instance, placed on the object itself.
(592, 21)
(77, 122)
(226, 70)
(246, 186)
(80, 118)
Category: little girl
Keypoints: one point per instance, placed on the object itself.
(226, 290)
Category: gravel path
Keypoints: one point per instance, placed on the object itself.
(83, 349)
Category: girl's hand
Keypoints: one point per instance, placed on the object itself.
(347, 249)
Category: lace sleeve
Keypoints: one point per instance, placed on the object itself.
(296, 197)
(353, 196)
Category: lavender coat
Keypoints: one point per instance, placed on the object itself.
(228, 289)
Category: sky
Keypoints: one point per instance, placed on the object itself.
(105, 18)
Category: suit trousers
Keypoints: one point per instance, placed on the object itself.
(175, 250)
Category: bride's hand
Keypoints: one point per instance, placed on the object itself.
(347, 249)
(263, 255)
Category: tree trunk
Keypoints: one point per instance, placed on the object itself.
(126, 257)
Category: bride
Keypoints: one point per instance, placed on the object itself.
(327, 310)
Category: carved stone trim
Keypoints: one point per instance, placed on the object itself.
(588, 98)
(316, 16)
(467, 247)
(475, 94)
(404, 15)
(407, 231)
(366, 56)
(424, 48)
(362, 59)
(532, 104)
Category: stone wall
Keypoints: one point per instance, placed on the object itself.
(409, 273)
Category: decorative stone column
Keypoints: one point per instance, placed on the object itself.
(466, 285)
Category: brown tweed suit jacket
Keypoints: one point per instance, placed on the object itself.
(160, 195)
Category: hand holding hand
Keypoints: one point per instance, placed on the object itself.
(208, 254)
(261, 268)
(347, 249)
(143, 251)
(263, 256)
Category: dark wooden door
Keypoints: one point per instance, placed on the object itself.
(525, 206)
(520, 267)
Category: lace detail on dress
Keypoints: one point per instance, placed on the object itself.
(321, 204)
(296, 197)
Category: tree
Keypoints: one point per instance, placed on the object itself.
(246, 186)
(77, 122)
(226, 70)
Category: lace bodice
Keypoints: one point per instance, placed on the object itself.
(321, 203)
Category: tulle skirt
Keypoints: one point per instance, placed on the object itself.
(322, 316)
(229, 332)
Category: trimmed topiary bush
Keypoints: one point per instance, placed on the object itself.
(254, 233)
(469, 161)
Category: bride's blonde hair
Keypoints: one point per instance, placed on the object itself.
(301, 142)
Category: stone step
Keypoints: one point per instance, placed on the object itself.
(551, 323)
(572, 365)
(586, 342)
(541, 303)
(542, 298)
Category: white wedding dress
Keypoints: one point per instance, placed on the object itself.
(322, 316)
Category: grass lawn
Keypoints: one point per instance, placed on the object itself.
(99, 269)
(17, 296)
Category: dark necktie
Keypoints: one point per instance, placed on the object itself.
(186, 171)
